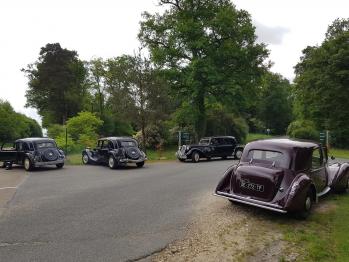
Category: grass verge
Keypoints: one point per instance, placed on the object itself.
(323, 236)
(340, 153)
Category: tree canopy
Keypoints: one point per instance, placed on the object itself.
(209, 53)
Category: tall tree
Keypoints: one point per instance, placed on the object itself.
(209, 51)
(275, 105)
(56, 84)
(322, 82)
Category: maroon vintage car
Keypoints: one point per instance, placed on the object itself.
(283, 175)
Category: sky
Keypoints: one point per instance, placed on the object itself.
(108, 28)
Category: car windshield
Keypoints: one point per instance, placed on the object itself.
(204, 142)
(268, 157)
(128, 143)
(46, 144)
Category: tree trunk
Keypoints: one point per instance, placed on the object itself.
(200, 121)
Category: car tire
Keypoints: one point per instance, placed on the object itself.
(59, 166)
(28, 166)
(112, 162)
(238, 154)
(140, 164)
(85, 159)
(195, 156)
(307, 205)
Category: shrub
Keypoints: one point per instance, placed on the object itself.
(303, 129)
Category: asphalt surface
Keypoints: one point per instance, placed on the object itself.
(92, 213)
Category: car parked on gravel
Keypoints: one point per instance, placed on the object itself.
(283, 175)
(208, 147)
(32, 153)
(114, 151)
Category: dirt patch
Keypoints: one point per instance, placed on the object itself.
(325, 207)
(223, 231)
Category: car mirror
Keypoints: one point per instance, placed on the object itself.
(333, 158)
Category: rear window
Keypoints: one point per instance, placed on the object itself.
(204, 142)
(40, 145)
(128, 143)
(268, 157)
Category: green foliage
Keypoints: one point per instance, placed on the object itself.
(303, 129)
(15, 125)
(55, 130)
(84, 128)
(56, 84)
(322, 82)
(155, 136)
(275, 105)
(208, 51)
(221, 122)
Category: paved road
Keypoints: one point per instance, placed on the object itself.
(92, 213)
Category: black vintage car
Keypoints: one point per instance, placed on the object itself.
(208, 147)
(31, 153)
(115, 151)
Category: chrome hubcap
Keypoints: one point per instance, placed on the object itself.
(26, 163)
(307, 203)
(196, 157)
(111, 161)
(238, 154)
(85, 159)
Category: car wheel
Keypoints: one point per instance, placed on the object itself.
(112, 162)
(195, 157)
(140, 164)
(238, 154)
(307, 205)
(60, 165)
(28, 166)
(85, 159)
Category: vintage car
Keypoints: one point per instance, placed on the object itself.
(31, 153)
(208, 147)
(115, 151)
(283, 175)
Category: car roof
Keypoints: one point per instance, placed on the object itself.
(209, 137)
(114, 138)
(34, 139)
(282, 144)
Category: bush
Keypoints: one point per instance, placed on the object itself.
(155, 136)
(303, 129)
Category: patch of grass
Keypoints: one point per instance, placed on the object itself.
(341, 153)
(251, 137)
(74, 159)
(323, 236)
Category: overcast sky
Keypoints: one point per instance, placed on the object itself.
(108, 28)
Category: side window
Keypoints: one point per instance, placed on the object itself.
(105, 144)
(229, 141)
(25, 147)
(221, 141)
(316, 159)
(19, 146)
(214, 141)
(110, 145)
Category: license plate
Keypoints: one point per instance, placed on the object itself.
(244, 183)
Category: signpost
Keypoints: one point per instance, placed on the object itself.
(183, 136)
(325, 138)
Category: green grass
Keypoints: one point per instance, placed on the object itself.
(74, 159)
(341, 153)
(252, 136)
(324, 235)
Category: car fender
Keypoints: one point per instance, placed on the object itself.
(340, 179)
(30, 156)
(90, 155)
(298, 191)
(201, 152)
(224, 184)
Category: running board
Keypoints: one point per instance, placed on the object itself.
(251, 202)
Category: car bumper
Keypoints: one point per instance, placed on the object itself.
(251, 202)
(50, 163)
(181, 156)
(127, 160)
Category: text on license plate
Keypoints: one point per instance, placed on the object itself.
(245, 183)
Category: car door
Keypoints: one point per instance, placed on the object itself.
(229, 146)
(20, 152)
(318, 169)
(104, 151)
(214, 145)
(8, 152)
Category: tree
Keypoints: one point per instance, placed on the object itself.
(322, 81)
(56, 84)
(14, 125)
(208, 52)
(275, 104)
